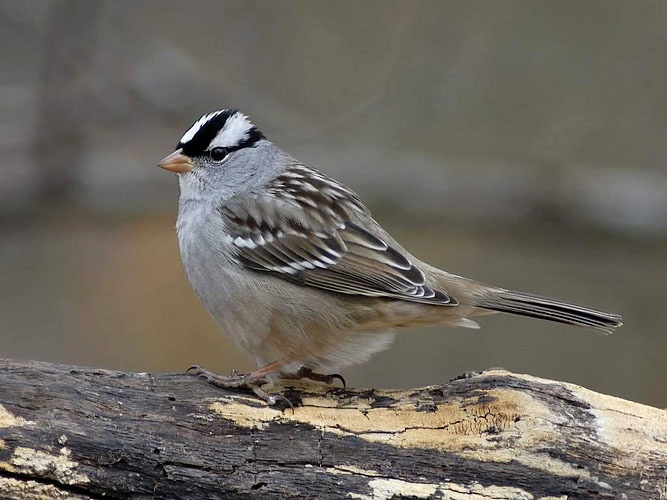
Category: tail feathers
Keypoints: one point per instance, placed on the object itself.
(534, 306)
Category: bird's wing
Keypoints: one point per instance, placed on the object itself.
(300, 228)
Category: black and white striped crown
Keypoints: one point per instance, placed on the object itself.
(227, 128)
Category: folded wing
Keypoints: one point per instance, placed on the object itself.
(303, 232)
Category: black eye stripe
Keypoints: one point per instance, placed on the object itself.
(254, 135)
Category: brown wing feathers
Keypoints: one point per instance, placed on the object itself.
(322, 248)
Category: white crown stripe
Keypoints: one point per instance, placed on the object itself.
(192, 131)
(236, 130)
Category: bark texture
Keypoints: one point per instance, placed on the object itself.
(75, 433)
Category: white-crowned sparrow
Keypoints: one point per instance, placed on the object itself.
(295, 270)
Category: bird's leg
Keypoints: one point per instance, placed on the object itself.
(249, 381)
(305, 372)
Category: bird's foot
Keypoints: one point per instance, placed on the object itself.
(305, 372)
(249, 381)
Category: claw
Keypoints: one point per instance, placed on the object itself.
(338, 376)
(305, 372)
(283, 401)
(274, 399)
(252, 382)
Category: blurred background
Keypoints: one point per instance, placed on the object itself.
(519, 143)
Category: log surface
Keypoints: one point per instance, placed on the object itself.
(71, 432)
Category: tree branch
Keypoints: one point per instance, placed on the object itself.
(70, 432)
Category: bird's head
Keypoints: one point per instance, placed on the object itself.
(215, 149)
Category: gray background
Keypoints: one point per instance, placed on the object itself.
(521, 143)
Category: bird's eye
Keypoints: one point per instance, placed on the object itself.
(218, 154)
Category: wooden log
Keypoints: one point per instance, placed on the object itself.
(70, 432)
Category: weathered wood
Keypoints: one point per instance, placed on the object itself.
(69, 432)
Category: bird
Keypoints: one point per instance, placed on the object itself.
(296, 271)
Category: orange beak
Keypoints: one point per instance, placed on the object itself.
(176, 162)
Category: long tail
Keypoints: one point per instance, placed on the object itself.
(534, 306)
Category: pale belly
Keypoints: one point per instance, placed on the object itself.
(272, 319)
